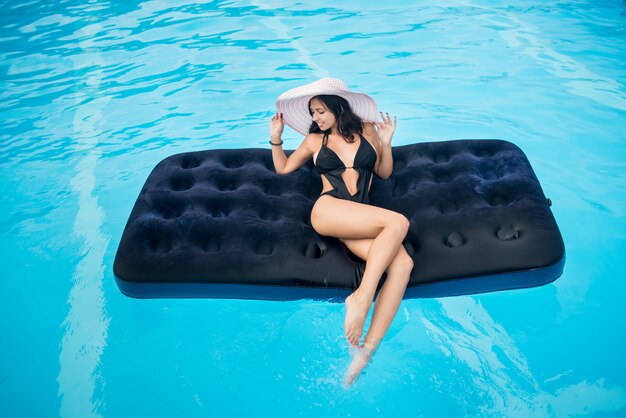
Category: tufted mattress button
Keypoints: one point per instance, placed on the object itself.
(507, 233)
(313, 250)
(440, 158)
(454, 240)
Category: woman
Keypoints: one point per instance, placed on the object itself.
(337, 128)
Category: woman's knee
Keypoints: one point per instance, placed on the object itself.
(402, 262)
(401, 223)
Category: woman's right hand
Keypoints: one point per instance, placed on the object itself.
(276, 126)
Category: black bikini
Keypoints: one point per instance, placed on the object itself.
(329, 164)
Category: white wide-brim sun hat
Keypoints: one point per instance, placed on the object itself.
(294, 103)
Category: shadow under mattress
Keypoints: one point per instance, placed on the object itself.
(221, 223)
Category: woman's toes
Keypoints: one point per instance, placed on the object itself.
(356, 312)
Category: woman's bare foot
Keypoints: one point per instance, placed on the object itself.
(356, 312)
(360, 360)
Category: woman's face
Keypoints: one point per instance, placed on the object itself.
(321, 115)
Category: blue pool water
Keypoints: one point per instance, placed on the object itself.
(94, 93)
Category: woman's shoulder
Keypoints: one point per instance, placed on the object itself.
(312, 137)
(311, 141)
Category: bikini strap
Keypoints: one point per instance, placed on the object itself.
(325, 139)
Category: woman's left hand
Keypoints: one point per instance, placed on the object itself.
(386, 128)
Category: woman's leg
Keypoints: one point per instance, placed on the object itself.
(386, 305)
(345, 219)
(389, 297)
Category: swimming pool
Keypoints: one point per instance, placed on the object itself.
(94, 94)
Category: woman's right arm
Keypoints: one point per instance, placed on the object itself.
(282, 164)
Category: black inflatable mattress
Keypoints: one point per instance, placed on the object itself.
(222, 223)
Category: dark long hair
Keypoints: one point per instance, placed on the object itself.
(347, 122)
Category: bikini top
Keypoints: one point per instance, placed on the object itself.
(329, 164)
(328, 161)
